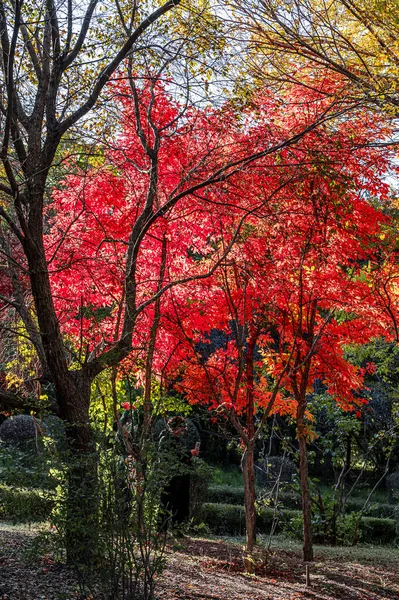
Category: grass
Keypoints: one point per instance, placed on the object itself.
(231, 476)
(362, 553)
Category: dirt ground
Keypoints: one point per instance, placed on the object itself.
(213, 570)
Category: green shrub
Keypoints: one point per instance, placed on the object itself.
(374, 530)
(392, 484)
(200, 474)
(24, 505)
(225, 494)
(381, 510)
(347, 527)
(229, 519)
(371, 529)
(19, 429)
(288, 499)
(227, 476)
(224, 519)
(267, 516)
(268, 470)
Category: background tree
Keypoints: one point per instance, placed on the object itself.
(291, 292)
(358, 40)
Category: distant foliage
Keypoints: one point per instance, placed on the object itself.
(24, 505)
(272, 468)
(18, 429)
(392, 483)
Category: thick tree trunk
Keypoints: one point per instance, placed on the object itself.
(304, 477)
(81, 509)
(248, 473)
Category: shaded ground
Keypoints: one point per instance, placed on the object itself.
(203, 569)
(213, 570)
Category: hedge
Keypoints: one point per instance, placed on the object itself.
(24, 505)
(374, 530)
(381, 510)
(229, 519)
(225, 494)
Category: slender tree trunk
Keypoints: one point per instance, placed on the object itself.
(348, 457)
(151, 348)
(248, 462)
(304, 476)
(248, 473)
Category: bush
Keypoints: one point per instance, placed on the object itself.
(270, 469)
(199, 476)
(24, 468)
(112, 529)
(381, 531)
(371, 530)
(23, 505)
(287, 499)
(224, 519)
(225, 494)
(229, 519)
(392, 483)
(396, 516)
(381, 510)
(281, 519)
(18, 429)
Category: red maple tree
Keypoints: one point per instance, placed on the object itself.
(292, 293)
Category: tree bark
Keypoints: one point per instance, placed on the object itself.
(305, 491)
(72, 390)
(81, 509)
(248, 473)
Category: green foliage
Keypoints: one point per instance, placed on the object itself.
(166, 403)
(345, 532)
(273, 468)
(200, 475)
(229, 519)
(380, 510)
(224, 494)
(383, 354)
(290, 499)
(224, 519)
(20, 363)
(231, 476)
(381, 531)
(126, 391)
(114, 520)
(101, 404)
(350, 529)
(22, 505)
(34, 465)
(392, 482)
(333, 426)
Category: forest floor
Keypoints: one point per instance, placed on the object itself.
(212, 569)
